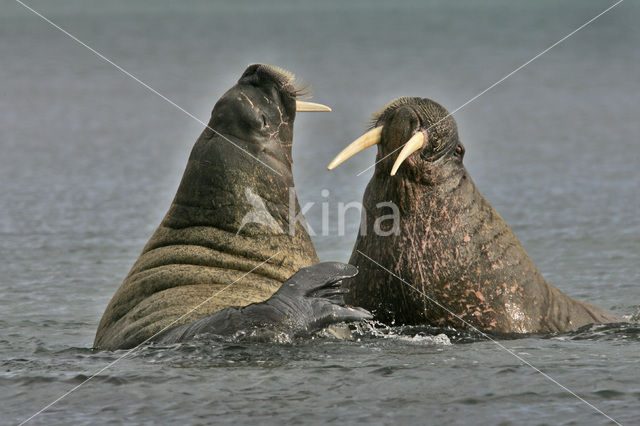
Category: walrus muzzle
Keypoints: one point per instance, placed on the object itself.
(371, 138)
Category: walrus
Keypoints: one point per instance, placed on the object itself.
(204, 246)
(449, 242)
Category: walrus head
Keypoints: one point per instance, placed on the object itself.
(412, 134)
(244, 157)
(419, 157)
(260, 110)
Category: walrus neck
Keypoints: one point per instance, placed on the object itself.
(264, 155)
(416, 188)
(221, 184)
(230, 204)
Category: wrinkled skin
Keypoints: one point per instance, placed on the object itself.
(197, 250)
(307, 302)
(452, 245)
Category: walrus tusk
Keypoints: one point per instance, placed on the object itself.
(414, 144)
(311, 106)
(372, 137)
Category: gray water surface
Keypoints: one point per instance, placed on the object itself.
(90, 161)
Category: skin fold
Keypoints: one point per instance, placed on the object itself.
(450, 243)
(202, 244)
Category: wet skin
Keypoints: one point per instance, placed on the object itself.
(202, 244)
(450, 244)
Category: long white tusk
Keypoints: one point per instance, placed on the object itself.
(414, 144)
(370, 138)
(311, 106)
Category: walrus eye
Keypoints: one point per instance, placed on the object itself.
(264, 120)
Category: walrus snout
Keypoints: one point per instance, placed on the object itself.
(407, 125)
(259, 74)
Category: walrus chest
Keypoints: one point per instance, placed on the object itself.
(457, 259)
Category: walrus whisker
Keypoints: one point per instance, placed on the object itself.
(284, 75)
(303, 91)
(297, 88)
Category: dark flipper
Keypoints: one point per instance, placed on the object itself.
(307, 302)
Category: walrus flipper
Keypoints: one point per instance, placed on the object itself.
(308, 301)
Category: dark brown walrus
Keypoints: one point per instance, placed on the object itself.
(209, 244)
(450, 243)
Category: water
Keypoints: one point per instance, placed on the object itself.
(91, 160)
